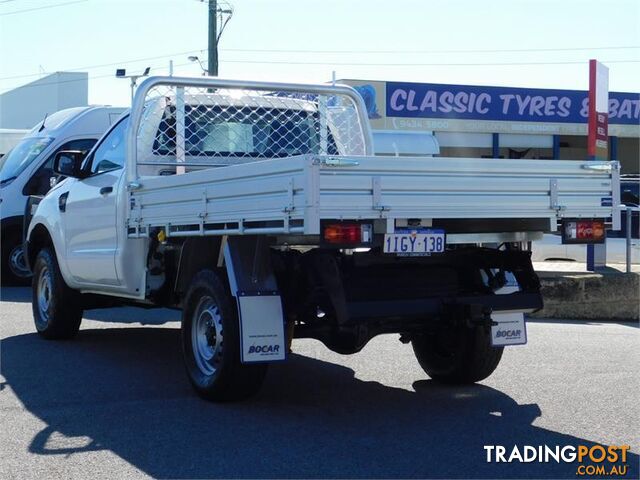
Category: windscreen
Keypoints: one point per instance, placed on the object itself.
(21, 156)
(630, 193)
(240, 132)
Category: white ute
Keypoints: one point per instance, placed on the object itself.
(260, 211)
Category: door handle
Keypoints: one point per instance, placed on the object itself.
(106, 190)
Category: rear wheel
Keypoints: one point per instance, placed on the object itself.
(457, 355)
(211, 343)
(14, 266)
(57, 311)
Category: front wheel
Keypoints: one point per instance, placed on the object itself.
(459, 355)
(211, 343)
(14, 266)
(57, 311)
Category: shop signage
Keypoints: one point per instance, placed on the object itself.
(598, 136)
(424, 100)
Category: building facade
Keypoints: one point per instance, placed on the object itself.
(23, 107)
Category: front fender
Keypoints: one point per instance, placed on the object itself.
(47, 216)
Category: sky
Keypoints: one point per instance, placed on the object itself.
(518, 43)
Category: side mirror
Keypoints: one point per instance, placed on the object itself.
(69, 163)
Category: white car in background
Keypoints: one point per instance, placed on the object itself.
(551, 248)
(27, 170)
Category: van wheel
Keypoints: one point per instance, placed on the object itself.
(211, 343)
(57, 311)
(457, 355)
(14, 266)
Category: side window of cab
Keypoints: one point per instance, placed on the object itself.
(110, 153)
(40, 182)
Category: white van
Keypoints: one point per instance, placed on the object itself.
(27, 170)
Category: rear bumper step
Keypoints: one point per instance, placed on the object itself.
(429, 307)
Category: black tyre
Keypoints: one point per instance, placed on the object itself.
(14, 266)
(57, 310)
(211, 343)
(457, 355)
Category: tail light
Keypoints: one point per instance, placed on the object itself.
(583, 231)
(346, 233)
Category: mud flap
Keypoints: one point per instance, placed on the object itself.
(509, 329)
(252, 282)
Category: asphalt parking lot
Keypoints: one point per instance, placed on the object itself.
(115, 403)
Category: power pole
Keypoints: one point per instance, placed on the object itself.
(219, 11)
(212, 65)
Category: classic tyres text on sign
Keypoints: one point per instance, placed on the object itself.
(465, 102)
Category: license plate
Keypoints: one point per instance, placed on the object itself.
(414, 242)
(511, 329)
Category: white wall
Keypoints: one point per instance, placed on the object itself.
(464, 139)
(25, 106)
(8, 138)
